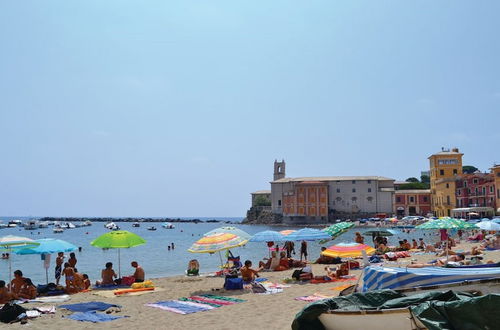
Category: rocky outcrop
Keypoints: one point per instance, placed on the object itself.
(262, 215)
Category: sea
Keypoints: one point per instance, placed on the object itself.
(154, 256)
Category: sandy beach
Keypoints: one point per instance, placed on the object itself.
(274, 311)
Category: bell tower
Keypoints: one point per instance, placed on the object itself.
(279, 170)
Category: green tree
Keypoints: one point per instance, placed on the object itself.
(469, 169)
(412, 179)
(425, 179)
(414, 185)
(262, 201)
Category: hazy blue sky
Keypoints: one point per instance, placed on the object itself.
(162, 108)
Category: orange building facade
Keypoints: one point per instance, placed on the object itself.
(307, 199)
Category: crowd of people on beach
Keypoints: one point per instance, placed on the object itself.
(22, 287)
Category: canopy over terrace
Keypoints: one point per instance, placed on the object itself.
(465, 212)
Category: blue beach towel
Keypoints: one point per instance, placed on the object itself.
(93, 317)
(88, 306)
(179, 307)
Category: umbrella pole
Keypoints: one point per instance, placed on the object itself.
(47, 275)
(10, 270)
(119, 265)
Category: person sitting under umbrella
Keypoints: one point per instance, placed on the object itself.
(139, 274)
(108, 275)
(28, 290)
(17, 282)
(5, 295)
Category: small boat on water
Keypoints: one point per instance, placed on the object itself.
(168, 225)
(31, 225)
(3, 225)
(88, 223)
(58, 230)
(68, 225)
(152, 228)
(136, 224)
(15, 223)
(43, 224)
(112, 226)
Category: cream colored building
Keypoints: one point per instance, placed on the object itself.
(319, 199)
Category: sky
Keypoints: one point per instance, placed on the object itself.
(179, 108)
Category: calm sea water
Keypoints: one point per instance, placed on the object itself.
(154, 255)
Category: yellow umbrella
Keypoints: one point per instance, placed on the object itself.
(348, 250)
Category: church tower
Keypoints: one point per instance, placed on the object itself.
(279, 170)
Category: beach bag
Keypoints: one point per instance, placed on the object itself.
(233, 283)
(128, 280)
(10, 312)
(296, 274)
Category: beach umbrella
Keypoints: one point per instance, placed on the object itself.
(118, 239)
(217, 242)
(287, 232)
(268, 236)
(444, 224)
(11, 243)
(230, 230)
(338, 229)
(46, 247)
(488, 225)
(447, 223)
(308, 234)
(497, 220)
(381, 232)
(348, 250)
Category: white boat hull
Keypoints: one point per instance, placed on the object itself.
(398, 318)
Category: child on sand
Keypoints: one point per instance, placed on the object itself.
(247, 273)
(69, 273)
(86, 282)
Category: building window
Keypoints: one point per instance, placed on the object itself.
(484, 190)
(353, 181)
(412, 199)
(447, 185)
(455, 171)
(353, 190)
(441, 172)
(279, 202)
(398, 199)
(448, 200)
(475, 190)
(465, 183)
(369, 181)
(474, 181)
(468, 191)
(338, 199)
(338, 190)
(425, 199)
(369, 198)
(369, 189)
(459, 192)
(491, 189)
(354, 199)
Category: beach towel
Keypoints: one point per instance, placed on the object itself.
(94, 317)
(313, 297)
(51, 299)
(88, 306)
(195, 304)
(181, 307)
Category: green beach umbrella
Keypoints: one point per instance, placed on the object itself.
(338, 229)
(447, 223)
(119, 239)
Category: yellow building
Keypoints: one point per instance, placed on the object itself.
(496, 174)
(444, 167)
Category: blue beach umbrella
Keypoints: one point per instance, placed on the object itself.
(48, 246)
(308, 234)
(488, 225)
(269, 236)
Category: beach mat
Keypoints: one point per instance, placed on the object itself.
(111, 293)
(51, 299)
(94, 317)
(194, 304)
(313, 297)
(88, 306)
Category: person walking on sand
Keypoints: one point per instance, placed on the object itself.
(59, 263)
(303, 250)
